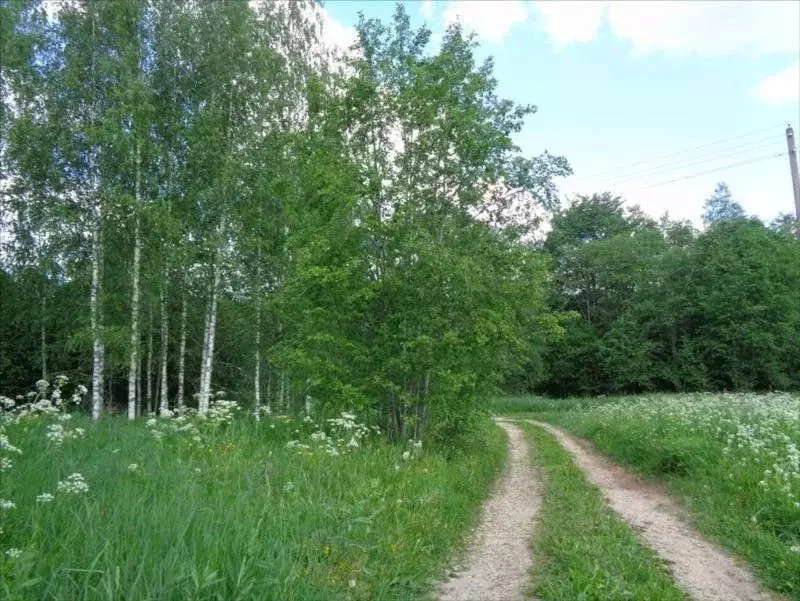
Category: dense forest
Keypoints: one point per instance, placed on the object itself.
(202, 197)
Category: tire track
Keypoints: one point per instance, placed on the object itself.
(702, 569)
(498, 566)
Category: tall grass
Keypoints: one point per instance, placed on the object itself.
(237, 515)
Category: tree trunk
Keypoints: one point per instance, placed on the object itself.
(206, 323)
(282, 397)
(164, 406)
(269, 388)
(139, 385)
(137, 254)
(208, 354)
(96, 317)
(44, 333)
(182, 354)
(257, 369)
(149, 375)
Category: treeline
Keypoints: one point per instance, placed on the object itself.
(199, 196)
(643, 306)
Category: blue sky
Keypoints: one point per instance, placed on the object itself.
(628, 91)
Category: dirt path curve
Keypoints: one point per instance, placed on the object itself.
(702, 569)
(498, 566)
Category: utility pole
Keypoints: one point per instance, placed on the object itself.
(795, 176)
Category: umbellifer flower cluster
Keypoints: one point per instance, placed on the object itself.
(74, 484)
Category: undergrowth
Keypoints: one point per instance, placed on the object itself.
(242, 510)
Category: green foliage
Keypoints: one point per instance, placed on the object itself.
(351, 241)
(660, 308)
(720, 207)
(235, 516)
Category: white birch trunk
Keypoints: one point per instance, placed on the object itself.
(257, 371)
(149, 375)
(139, 385)
(44, 335)
(206, 323)
(164, 406)
(137, 254)
(269, 389)
(182, 355)
(95, 310)
(208, 355)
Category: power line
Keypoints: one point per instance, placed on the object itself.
(693, 175)
(682, 152)
(691, 162)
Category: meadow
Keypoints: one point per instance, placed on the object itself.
(228, 507)
(733, 460)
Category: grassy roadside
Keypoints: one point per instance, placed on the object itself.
(242, 513)
(581, 550)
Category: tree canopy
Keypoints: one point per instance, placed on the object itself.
(200, 196)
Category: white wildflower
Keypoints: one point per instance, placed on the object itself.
(5, 445)
(42, 386)
(289, 486)
(12, 553)
(7, 403)
(353, 444)
(133, 467)
(45, 497)
(6, 464)
(61, 380)
(795, 548)
(351, 583)
(74, 484)
(406, 455)
(6, 505)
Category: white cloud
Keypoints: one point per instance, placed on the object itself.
(680, 28)
(782, 87)
(491, 19)
(571, 22)
(427, 9)
(335, 34)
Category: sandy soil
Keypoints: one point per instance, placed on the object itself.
(498, 566)
(702, 569)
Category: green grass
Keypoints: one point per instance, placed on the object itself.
(526, 404)
(732, 460)
(581, 550)
(238, 516)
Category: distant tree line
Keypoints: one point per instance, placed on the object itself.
(644, 305)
